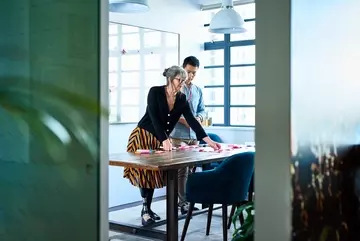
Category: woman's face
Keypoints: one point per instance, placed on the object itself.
(178, 83)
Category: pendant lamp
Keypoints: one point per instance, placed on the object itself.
(128, 6)
(227, 20)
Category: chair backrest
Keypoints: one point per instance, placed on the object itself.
(237, 170)
(213, 137)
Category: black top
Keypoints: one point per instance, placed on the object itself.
(160, 121)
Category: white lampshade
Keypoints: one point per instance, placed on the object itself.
(227, 20)
(128, 6)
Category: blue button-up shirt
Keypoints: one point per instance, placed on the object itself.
(195, 98)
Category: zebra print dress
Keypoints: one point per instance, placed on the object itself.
(142, 139)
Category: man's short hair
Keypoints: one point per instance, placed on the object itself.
(191, 60)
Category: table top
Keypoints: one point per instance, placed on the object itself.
(173, 159)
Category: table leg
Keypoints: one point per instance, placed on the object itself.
(172, 231)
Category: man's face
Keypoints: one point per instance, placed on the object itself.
(191, 70)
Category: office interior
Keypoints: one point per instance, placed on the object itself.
(289, 85)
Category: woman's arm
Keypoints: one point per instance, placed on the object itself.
(155, 113)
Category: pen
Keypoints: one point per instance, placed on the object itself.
(169, 140)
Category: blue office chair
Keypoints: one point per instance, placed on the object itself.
(226, 184)
(234, 206)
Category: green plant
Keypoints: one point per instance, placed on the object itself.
(245, 232)
(54, 115)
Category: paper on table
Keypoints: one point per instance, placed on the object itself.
(184, 147)
(223, 149)
(174, 148)
(145, 151)
(234, 146)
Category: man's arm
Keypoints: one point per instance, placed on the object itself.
(200, 112)
(194, 123)
(183, 121)
(201, 107)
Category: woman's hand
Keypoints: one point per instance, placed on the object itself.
(216, 146)
(167, 145)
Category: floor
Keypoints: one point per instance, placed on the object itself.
(195, 232)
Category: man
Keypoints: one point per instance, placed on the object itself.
(182, 134)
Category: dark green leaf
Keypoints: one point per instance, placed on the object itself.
(246, 231)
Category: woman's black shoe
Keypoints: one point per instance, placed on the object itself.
(146, 219)
(152, 215)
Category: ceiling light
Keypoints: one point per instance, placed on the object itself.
(227, 20)
(128, 6)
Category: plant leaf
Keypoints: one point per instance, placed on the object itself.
(58, 116)
(246, 231)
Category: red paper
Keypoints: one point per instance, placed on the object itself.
(234, 146)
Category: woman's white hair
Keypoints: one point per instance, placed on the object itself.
(174, 71)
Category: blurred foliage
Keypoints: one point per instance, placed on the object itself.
(57, 116)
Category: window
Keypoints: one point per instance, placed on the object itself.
(153, 62)
(228, 77)
(137, 58)
(212, 76)
(214, 57)
(152, 39)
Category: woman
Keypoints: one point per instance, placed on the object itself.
(165, 106)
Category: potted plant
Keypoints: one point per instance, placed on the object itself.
(57, 116)
(245, 232)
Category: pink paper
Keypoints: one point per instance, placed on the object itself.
(183, 147)
(143, 151)
(173, 148)
(234, 146)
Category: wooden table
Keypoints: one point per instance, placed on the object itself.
(170, 162)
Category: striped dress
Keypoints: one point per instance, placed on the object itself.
(142, 139)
